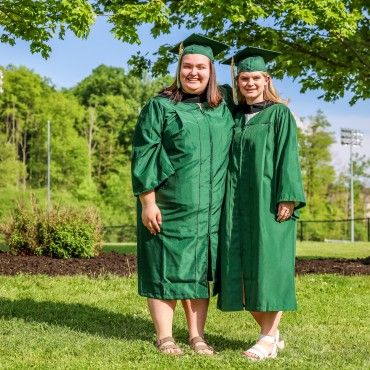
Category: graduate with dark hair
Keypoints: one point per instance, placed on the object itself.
(179, 163)
(263, 195)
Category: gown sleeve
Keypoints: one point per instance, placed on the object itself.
(289, 181)
(150, 165)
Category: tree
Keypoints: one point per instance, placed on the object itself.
(39, 21)
(327, 194)
(318, 173)
(317, 169)
(361, 167)
(69, 153)
(324, 42)
(19, 106)
(12, 171)
(113, 100)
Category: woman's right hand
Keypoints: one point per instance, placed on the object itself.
(151, 218)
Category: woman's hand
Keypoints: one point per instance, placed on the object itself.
(285, 211)
(152, 218)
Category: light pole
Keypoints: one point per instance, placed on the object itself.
(49, 155)
(352, 138)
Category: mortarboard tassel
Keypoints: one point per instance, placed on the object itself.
(181, 50)
(233, 84)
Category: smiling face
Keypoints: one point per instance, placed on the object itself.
(252, 85)
(194, 73)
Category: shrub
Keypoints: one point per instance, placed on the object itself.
(63, 232)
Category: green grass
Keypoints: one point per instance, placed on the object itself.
(333, 250)
(128, 248)
(83, 323)
(304, 249)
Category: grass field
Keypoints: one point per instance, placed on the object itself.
(83, 323)
(304, 249)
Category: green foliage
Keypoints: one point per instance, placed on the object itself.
(318, 173)
(91, 130)
(119, 202)
(20, 106)
(361, 167)
(69, 153)
(90, 145)
(11, 170)
(324, 42)
(112, 100)
(39, 21)
(62, 232)
(327, 194)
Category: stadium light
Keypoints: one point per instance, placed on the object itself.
(351, 138)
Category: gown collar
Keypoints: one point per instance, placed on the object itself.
(255, 108)
(194, 98)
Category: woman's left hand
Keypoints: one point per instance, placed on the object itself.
(285, 211)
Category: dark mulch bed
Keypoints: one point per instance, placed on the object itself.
(359, 266)
(125, 265)
(106, 263)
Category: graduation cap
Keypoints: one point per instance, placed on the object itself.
(197, 44)
(249, 59)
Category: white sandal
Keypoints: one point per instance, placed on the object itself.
(261, 352)
(279, 341)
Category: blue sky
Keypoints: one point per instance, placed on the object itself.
(73, 59)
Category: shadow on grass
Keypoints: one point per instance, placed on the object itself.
(97, 321)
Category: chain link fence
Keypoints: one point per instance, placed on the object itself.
(336, 230)
(119, 234)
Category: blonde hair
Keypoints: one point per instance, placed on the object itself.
(269, 94)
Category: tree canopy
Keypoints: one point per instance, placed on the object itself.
(40, 21)
(324, 42)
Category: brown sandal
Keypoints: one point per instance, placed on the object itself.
(162, 347)
(201, 347)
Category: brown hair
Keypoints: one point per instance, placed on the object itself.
(214, 96)
(269, 94)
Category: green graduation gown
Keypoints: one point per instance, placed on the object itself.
(257, 253)
(181, 151)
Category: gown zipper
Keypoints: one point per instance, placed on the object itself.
(209, 265)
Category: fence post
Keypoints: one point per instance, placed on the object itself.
(368, 229)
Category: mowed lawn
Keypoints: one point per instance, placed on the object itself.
(304, 249)
(84, 323)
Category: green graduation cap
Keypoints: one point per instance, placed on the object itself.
(199, 44)
(251, 59)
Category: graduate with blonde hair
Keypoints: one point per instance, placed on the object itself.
(263, 195)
